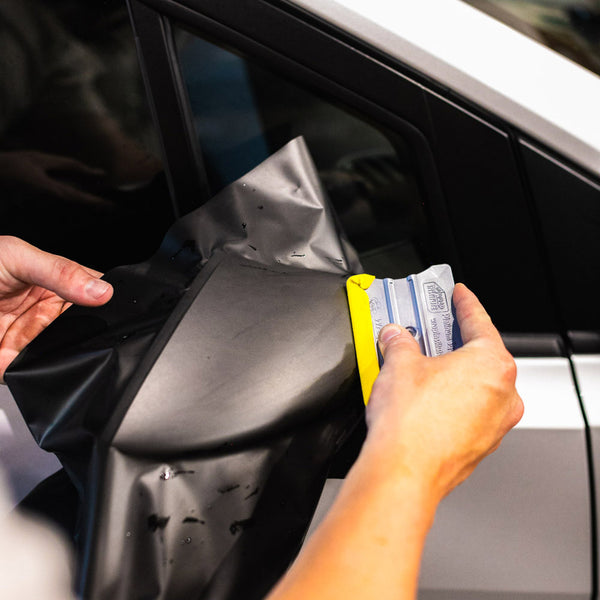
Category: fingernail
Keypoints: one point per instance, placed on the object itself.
(96, 288)
(389, 332)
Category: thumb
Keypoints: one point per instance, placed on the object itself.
(70, 281)
(395, 338)
(60, 275)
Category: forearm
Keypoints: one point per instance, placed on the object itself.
(370, 543)
(430, 421)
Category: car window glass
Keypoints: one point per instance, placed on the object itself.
(570, 27)
(243, 112)
(79, 161)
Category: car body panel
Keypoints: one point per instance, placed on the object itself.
(587, 370)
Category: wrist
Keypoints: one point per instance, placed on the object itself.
(400, 473)
(404, 466)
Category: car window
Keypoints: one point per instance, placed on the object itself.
(242, 112)
(80, 172)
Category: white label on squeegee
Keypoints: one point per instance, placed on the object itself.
(422, 304)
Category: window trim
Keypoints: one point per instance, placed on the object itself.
(185, 171)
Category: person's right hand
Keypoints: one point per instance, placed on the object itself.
(438, 417)
(52, 178)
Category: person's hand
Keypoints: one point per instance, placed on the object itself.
(430, 421)
(36, 287)
(54, 178)
(438, 417)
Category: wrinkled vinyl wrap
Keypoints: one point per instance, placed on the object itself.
(276, 214)
(198, 411)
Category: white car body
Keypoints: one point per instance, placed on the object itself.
(534, 88)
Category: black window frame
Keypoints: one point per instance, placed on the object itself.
(287, 40)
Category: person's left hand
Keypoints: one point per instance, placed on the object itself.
(36, 287)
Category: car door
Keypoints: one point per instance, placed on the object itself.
(418, 174)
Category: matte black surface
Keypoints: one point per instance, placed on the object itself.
(489, 212)
(55, 499)
(257, 352)
(197, 413)
(534, 344)
(584, 342)
(568, 206)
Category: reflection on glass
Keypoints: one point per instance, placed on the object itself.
(243, 113)
(570, 27)
(78, 156)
